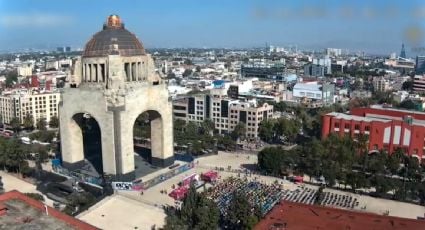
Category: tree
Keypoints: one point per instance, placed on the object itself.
(41, 157)
(407, 85)
(28, 122)
(266, 132)
(11, 78)
(197, 212)
(239, 131)
(13, 156)
(35, 196)
(208, 127)
(41, 124)
(43, 136)
(179, 125)
(79, 201)
(275, 160)
(362, 143)
(54, 122)
(188, 62)
(312, 160)
(288, 128)
(240, 214)
(16, 124)
(171, 75)
(408, 104)
(187, 72)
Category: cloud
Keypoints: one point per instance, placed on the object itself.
(35, 20)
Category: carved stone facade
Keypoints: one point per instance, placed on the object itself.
(115, 82)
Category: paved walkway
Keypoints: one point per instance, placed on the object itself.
(11, 182)
(120, 212)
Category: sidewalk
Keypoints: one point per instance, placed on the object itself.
(13, 183)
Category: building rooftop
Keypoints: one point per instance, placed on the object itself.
(113, 39)
(308, 86)
(356, 118)
(18, 211)
(297, 216)
(381, 107)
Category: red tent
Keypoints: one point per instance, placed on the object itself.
(179, 193)
(298, 179)
(209, 176)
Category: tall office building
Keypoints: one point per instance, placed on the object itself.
(403, 51)
(420, 65)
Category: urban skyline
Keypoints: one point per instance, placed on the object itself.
(221, 24)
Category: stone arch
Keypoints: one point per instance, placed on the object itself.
(90, 136)
(72, 147)
(156, 133)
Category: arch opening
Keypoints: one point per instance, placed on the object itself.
(147, 141)
(92, 142)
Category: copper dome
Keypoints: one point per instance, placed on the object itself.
(113, 39)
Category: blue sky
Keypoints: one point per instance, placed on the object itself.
(377, 26)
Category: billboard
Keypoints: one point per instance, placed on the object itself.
(127, 186)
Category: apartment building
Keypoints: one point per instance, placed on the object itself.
(225, 112)
(20, 103)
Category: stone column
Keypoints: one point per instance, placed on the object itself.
(140, 71)
(99, 73)
(127, 70)
(131, 71)
(93, 73)
(136, 66)
(156, 137)
(84, 73)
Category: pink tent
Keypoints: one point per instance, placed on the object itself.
(298, 179)
(209, 176)
(179, 193)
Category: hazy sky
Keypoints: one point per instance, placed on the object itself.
(378, 26)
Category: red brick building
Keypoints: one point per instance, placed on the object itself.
(296, 216)
(387, 128)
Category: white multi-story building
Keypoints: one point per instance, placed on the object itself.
(25, 69)
(333, 52)
(251, 113)
(314, 91)
(21, 103)
(381, 84)
(226, 113)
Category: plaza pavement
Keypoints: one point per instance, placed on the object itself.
(132, 207)
(13, 183)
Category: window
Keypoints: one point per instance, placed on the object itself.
(336, 125)
(367, 128)
(347, 126)
(357, 127)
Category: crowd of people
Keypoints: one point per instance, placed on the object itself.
(338, 200)
(307, 195)
(300, 195)
(258, 194)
